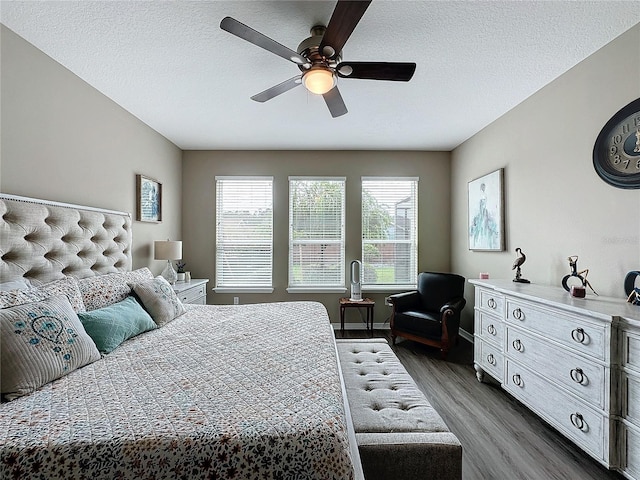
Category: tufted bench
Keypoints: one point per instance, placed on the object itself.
(400, 436)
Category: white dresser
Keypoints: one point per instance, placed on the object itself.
(573, 361)
(193, 291)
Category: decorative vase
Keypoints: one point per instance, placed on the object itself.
(181, 276)
(187, 276)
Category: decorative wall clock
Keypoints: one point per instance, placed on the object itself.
(616, 153)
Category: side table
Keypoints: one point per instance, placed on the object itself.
(346, 302)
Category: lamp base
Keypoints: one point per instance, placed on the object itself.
(169, 273)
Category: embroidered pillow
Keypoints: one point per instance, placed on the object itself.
(112, 325)
(67, 286)
(40, 342)
(159, 300)
(104, 290)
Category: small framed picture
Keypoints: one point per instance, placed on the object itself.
(486, 212)
(148, 199)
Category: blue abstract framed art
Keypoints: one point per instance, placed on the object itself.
(148, 199)
(486, 212)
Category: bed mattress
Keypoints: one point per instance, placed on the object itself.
(224, 392)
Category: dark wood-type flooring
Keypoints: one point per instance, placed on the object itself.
(501, 438)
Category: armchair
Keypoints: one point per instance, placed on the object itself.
(430, 315)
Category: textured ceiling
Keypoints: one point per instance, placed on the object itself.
(169, 64)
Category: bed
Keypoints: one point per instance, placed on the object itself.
(237, 392)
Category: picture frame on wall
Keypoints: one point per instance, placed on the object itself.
(486, 212)
(148, 199)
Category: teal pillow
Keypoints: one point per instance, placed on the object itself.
(112, 325)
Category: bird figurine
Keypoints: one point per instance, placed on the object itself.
(517, 264)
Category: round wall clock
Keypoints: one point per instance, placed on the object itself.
(616, 153)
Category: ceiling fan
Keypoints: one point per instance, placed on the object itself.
(319, 57)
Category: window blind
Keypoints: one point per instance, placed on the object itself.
(244, 232)
(389, 231)
(316, 232)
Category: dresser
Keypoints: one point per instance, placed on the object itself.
(194, 291)
(575, 362)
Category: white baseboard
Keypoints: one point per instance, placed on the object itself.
(466, 335)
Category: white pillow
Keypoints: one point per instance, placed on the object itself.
(159, 299)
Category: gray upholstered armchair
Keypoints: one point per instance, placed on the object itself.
(431, 314)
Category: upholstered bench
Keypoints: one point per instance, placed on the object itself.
(400, 436)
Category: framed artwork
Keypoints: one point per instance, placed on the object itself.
(486, 212)
(148, 199)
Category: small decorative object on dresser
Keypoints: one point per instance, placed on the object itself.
(194, 291)
(181, 273)
(630, 289)
(517, 264)
(580, 290)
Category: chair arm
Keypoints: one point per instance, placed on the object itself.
(404, 301)
(456, 305)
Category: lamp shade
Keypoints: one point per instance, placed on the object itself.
(319, 80)
(167, 250)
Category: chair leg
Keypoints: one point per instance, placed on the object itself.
(393, 339)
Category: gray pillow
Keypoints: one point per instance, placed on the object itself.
(159, 299)
(112, 325)
(40, 342)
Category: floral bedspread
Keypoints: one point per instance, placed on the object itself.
(222, 392)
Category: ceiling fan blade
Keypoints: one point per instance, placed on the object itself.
(239, 29)
(394, 71)
(334, 102)
(276, 90)
(344, 19)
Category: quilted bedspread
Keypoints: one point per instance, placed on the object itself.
(222, 392)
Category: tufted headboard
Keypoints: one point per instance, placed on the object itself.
(42, 241)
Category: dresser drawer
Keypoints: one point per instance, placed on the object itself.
(490, 301)
(196, 294)
(489, 327)
(584, 377)
(631, 350)
(585, 337)
(631, 398)
(630, 451)
(489, 358)
(583, 425)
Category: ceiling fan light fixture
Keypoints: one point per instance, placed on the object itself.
(319, 80)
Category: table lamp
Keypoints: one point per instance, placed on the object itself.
(168, 250)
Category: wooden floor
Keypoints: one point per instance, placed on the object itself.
(501, 439)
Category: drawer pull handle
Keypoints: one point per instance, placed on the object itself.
(517, 381)
(578, 421)
(518, 314)
(491, 329)
(578, 376)
(491, 359)
(578, 335)
(491, 303)
(517, 344)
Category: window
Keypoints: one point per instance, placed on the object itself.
(316, 233)
(389, 232)
(244, 234)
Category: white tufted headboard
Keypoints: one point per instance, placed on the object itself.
(43, 241)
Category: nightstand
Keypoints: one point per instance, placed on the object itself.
(194, 291)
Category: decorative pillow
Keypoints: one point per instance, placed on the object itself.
(67, 286)
(40, 342)
(159, 300)
(112, 325)
(104, 290)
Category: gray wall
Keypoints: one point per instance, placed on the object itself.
(198, 209)
(556, 205)
(63, 140)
